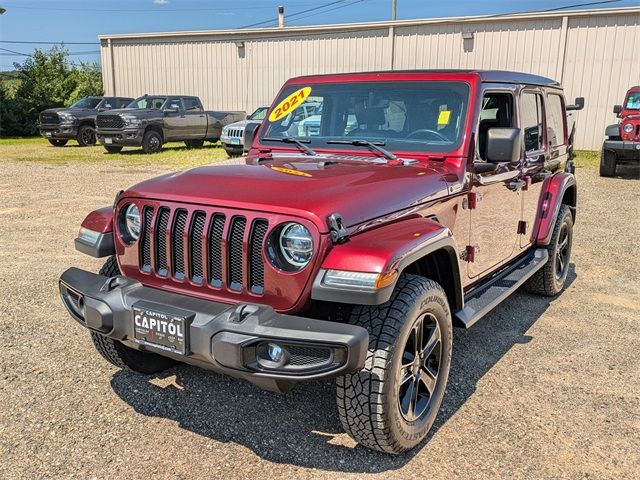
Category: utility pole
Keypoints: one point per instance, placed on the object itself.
(394, 5)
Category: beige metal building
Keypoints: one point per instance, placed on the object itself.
(594, 53)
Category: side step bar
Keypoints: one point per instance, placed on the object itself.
(486, 297)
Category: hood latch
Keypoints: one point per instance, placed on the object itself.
(337, 230)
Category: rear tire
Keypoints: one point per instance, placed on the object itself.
(120, 355)
(86, 136)
(57, 142)
(608, 163)
(152, 142)
(113, 149)
(391, 404)
(551, 278)
(194, 143)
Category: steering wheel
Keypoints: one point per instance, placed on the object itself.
(438, 135)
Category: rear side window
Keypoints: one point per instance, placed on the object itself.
(531, 116)
(555, 121)
(191, 103)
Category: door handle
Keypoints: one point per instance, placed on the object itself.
(516, 185)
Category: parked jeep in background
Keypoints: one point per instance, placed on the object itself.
(623, 138)
(232, 137)
(77, 122)
(152, 120)
(420, 202)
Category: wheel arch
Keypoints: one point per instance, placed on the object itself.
(87, 121)
(558, 189)
(155, 128)
(421, 246)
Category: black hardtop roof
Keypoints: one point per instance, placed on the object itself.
(488, 76)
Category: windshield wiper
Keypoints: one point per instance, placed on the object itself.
(375, 146)
(299, 143)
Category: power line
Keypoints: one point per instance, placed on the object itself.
(152, 10)
(48, 43)
(331, 9)
(272, 20)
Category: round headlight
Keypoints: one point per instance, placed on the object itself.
(296, 244)
(628, 128)
(131, 222)
(289, 247)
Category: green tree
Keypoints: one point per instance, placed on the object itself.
(47, 80)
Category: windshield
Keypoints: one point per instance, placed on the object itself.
(403, 116)
(633, 101)
(154, 103)
(259, 114)
(87, 102)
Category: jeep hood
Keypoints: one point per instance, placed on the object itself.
(310, 187)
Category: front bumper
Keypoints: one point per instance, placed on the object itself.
(625, 150)
(220, 337)
(128, 137)
(59, 132)
(232, 142)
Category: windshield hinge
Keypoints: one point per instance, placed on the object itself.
(337, 230)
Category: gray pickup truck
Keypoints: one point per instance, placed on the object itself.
(152, 120)
(78, 121)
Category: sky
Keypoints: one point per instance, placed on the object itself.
(82, 21)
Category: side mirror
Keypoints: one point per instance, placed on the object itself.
(617, 109)
(504, 145)
(250, 132)
(579, 105)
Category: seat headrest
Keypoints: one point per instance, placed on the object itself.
(371, 117)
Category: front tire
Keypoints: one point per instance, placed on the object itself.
(608, 163)
(120, 355)
(86, 136)
(551, 278)
(391, 404)
(232, 152)
(58, 142)
(152, 142)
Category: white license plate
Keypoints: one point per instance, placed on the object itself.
(48, 134)
(108, 140)
(161, 330)
(235, 141)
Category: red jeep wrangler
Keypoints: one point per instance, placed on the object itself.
(623, 139)
(421, 201)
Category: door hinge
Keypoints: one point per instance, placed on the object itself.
(469, 253)
(470, 202)
(522, 227)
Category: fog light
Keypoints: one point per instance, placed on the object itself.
(275, 352)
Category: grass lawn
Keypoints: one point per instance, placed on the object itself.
(37, 149)
(176, 155)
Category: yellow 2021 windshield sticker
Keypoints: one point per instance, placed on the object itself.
(289, 104)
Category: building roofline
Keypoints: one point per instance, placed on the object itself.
(275, 31)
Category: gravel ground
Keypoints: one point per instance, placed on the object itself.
(538, 389)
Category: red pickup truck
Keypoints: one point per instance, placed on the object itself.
(418, 202)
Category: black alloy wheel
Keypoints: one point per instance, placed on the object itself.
(420, 368)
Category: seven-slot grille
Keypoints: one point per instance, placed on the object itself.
(236, 132)
(49, 118)
(204, 248)
(109, 121)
